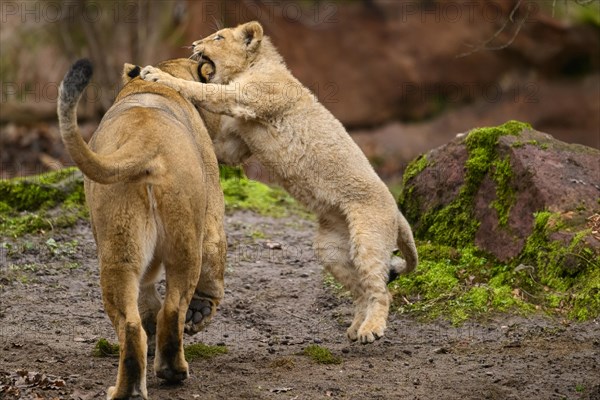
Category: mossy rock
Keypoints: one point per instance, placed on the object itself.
(41, 202)
(482, 189)
(523, 202)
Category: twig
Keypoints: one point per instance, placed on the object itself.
(296, 316)
(484, 45)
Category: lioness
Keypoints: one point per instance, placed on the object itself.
(152, 187)
(312, 156)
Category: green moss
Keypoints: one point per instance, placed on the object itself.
(39, 191)
(414, 168)
(321, 355)
(200, 350)
(42, 202)
(242, 193)
(462, 283)
(533, 142)
(455, 224)
(409, 205)
(104, 348)
(505, 193)
(566, 272)
(457, 285)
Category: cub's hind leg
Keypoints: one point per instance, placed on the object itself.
(332, 246)
(373, 237)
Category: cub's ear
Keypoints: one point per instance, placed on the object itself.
(130, 71)
(252, 34)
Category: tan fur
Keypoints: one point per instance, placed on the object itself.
(159, 202)
(312, 156)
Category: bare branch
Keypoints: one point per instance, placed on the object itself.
(510, 19)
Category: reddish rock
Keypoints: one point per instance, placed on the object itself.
(546, 175)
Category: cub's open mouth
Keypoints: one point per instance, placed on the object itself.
(206, 69)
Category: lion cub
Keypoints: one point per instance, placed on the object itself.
(312, 156)
(152, 187)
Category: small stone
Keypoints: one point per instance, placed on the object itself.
(273, 245)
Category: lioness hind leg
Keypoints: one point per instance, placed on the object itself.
(209, 290)
(182, 270)
(149, 303)
(120, 302)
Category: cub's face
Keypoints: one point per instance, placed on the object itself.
(225, 54)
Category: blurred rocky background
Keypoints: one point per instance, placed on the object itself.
(402, 76)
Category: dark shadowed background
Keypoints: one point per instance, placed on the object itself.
(402, 76)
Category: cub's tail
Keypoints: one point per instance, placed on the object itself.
(407, 246)
(107, 169)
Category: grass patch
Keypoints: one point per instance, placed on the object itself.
(104, 348)
(199, 350)
(321, 355)
(242, 193)
(329, 282)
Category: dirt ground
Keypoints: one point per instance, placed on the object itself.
(276, 304)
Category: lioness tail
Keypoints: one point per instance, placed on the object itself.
(111, 168)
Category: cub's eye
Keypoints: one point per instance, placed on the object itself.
(218, 37)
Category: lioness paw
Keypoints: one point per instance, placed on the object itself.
(199, 314)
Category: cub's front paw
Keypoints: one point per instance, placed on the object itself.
(151, 74)
(371, 331)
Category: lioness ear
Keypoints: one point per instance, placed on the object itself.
(130, 71)
(252, 34)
